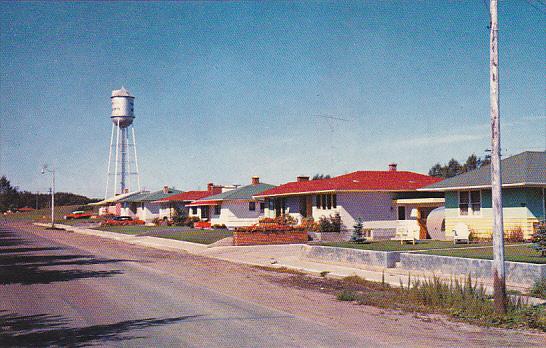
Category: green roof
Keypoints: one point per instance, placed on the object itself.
(524, 169)
(241, 193)
(150, 196)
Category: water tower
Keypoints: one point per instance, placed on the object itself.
(124, 147)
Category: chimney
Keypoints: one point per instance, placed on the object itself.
(165, 189)
(126, 190)
(392, 167)
(301, 178)
(210, 186)
(255, 180)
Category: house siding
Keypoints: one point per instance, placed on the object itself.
(236, 214)
(374, 208)
(522, 207)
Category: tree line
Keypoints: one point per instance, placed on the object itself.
(453, 167)
(11, 198)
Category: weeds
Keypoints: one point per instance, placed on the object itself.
(462, 299)
(347, 295)
(539, 288)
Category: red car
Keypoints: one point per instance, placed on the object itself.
(78, 214)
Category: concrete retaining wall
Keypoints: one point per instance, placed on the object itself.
(516, 272)
(346, 255)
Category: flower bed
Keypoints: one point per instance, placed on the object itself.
(122, 222)
(269, 237)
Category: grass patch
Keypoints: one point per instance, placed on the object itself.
(172, 232)
(462, 300)
(516, 253)
(393, 245)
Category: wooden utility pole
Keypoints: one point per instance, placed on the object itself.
(499, 281)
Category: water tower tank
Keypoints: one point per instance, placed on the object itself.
(122, 107)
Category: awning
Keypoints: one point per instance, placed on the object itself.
(204, 202)
(420, 201)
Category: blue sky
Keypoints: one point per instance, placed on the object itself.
(225, 91)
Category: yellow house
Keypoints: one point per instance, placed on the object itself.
(468, 196)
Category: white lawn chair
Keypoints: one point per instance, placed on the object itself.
(461, 232)
(407, 231)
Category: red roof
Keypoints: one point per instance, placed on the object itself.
(357, 181)
(187, 196)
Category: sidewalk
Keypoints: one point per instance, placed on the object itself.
(290, 256)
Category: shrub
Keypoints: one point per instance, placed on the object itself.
(219, 226)
(156, 221)
(190, 220)
(357, 236)
(514, 235)
(539, 288)
(330, 224)
(539, 238)
(179, 216)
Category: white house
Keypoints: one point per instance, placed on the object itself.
(234, 207)
(144, 206)
(167, 205)
(379, 198)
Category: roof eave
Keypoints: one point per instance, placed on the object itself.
(476, 187)
(331, 191)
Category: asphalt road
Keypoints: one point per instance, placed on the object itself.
(53, 294)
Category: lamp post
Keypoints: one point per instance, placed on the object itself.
(45, 170)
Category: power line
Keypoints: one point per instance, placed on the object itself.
(542, 10)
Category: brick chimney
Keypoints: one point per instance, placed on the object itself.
(392, 167)
(255, 180)
(165, 189)
(210, 186)
(301, 178)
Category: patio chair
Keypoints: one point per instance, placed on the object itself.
(461, 232)
(407, 231)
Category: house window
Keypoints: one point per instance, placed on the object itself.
(334, 201)
(401, 213)
(262, 207)
(252, 206)
(323, 201)
(194, 210)
(469, 202)
(329, 201)
(217, 209)
(318, 202)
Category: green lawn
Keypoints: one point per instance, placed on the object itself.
(137, 230)
(394, 245)
(172, 232)
(518, 253)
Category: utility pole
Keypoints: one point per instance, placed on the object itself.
(499, 281)
(45, 170)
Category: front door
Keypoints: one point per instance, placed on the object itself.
(205, 212)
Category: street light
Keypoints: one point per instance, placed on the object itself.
(46, 170)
